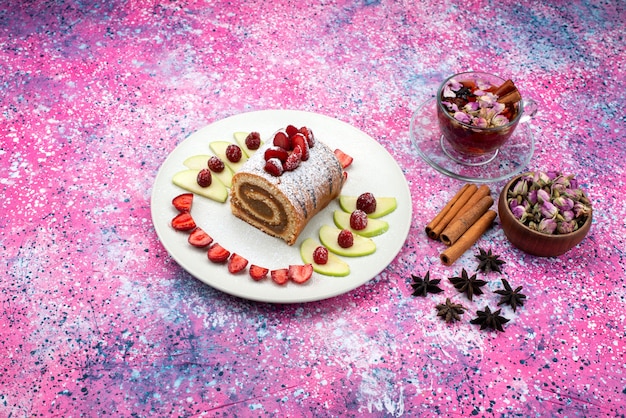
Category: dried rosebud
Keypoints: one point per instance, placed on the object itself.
(543, 196)
(463, 117)
(580, 209)
(566, 227)
(520, 188)
(563, 203)
(499, 120)
(548, 210)
(547, 226)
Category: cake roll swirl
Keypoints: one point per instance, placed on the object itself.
(281, 206)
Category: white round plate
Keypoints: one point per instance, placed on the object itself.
(373, 170)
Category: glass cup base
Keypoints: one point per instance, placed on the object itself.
(466, 159)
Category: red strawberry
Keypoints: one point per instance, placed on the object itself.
(320, 255)
(274, 166)
(280, 276)
(217, 253)
(215, 164)
(258, 272)
(199, 238)
(300, 273)
(308, 134)
(294, 159)
(205, 178)
(276, 152)
(358, 220)
(291, 130)
(183, 222)
(253, 140)
(183, 202)
(281, 139)
(300, 140)
(236, 263)
(345, 239)
(233, 153)
(344, 159)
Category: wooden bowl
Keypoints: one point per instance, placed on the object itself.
(534, 242)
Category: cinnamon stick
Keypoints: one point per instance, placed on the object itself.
(458, 227)
(452, 253)
(453, 210)
(480, 193)
(507, 93)
(444, 211)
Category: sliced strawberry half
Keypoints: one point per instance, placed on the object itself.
(280, 276)
(308, 134)
(291, 130)
(299, 140)
(236, 263)
(344, 159)
(258, 272)
(300, 273)
(183, 222)
(199, 238)
(183, 202)
(217, 253)
(276, 152)
(281, 139)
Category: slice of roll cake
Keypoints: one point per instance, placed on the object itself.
(279, 192)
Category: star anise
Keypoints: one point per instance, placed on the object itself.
(489, 261)
(467, 284)
(449, 311)
(488, 319)
(421, 287)
(511, 297)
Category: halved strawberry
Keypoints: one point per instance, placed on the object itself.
(300, 273)
(183, 202)
(280, 276)
(183, 222)
(299, 140)
(217, 253)
(344, 159)
(258, 272)
(276, 152)
(274, 166)
(294, 160)
(308, 134)
(236, 263)
(199, 238)
(281, 139)
(291, 130)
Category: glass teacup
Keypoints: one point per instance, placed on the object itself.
(477, 114)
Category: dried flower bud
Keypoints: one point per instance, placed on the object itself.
(548, 210)
(547, 226)
(543, 196)
(563, 203)
(566, 227)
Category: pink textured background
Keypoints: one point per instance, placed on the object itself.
(97, 319)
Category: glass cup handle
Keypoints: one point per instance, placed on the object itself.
(529, 110)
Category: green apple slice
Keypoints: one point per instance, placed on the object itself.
(188, 180)
(384, 205)
(334, 267)
(198, 162)
(362, 245)
(374, 226)
(240, 137)
(219, 149)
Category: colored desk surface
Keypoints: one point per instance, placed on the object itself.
(97, 319)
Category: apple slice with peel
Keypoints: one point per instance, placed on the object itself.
(219, 149)
(384, 205)
(198, 162)
(362, 245)
(188, 180)
(240, 137)
(335, 265)
(374, 226)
